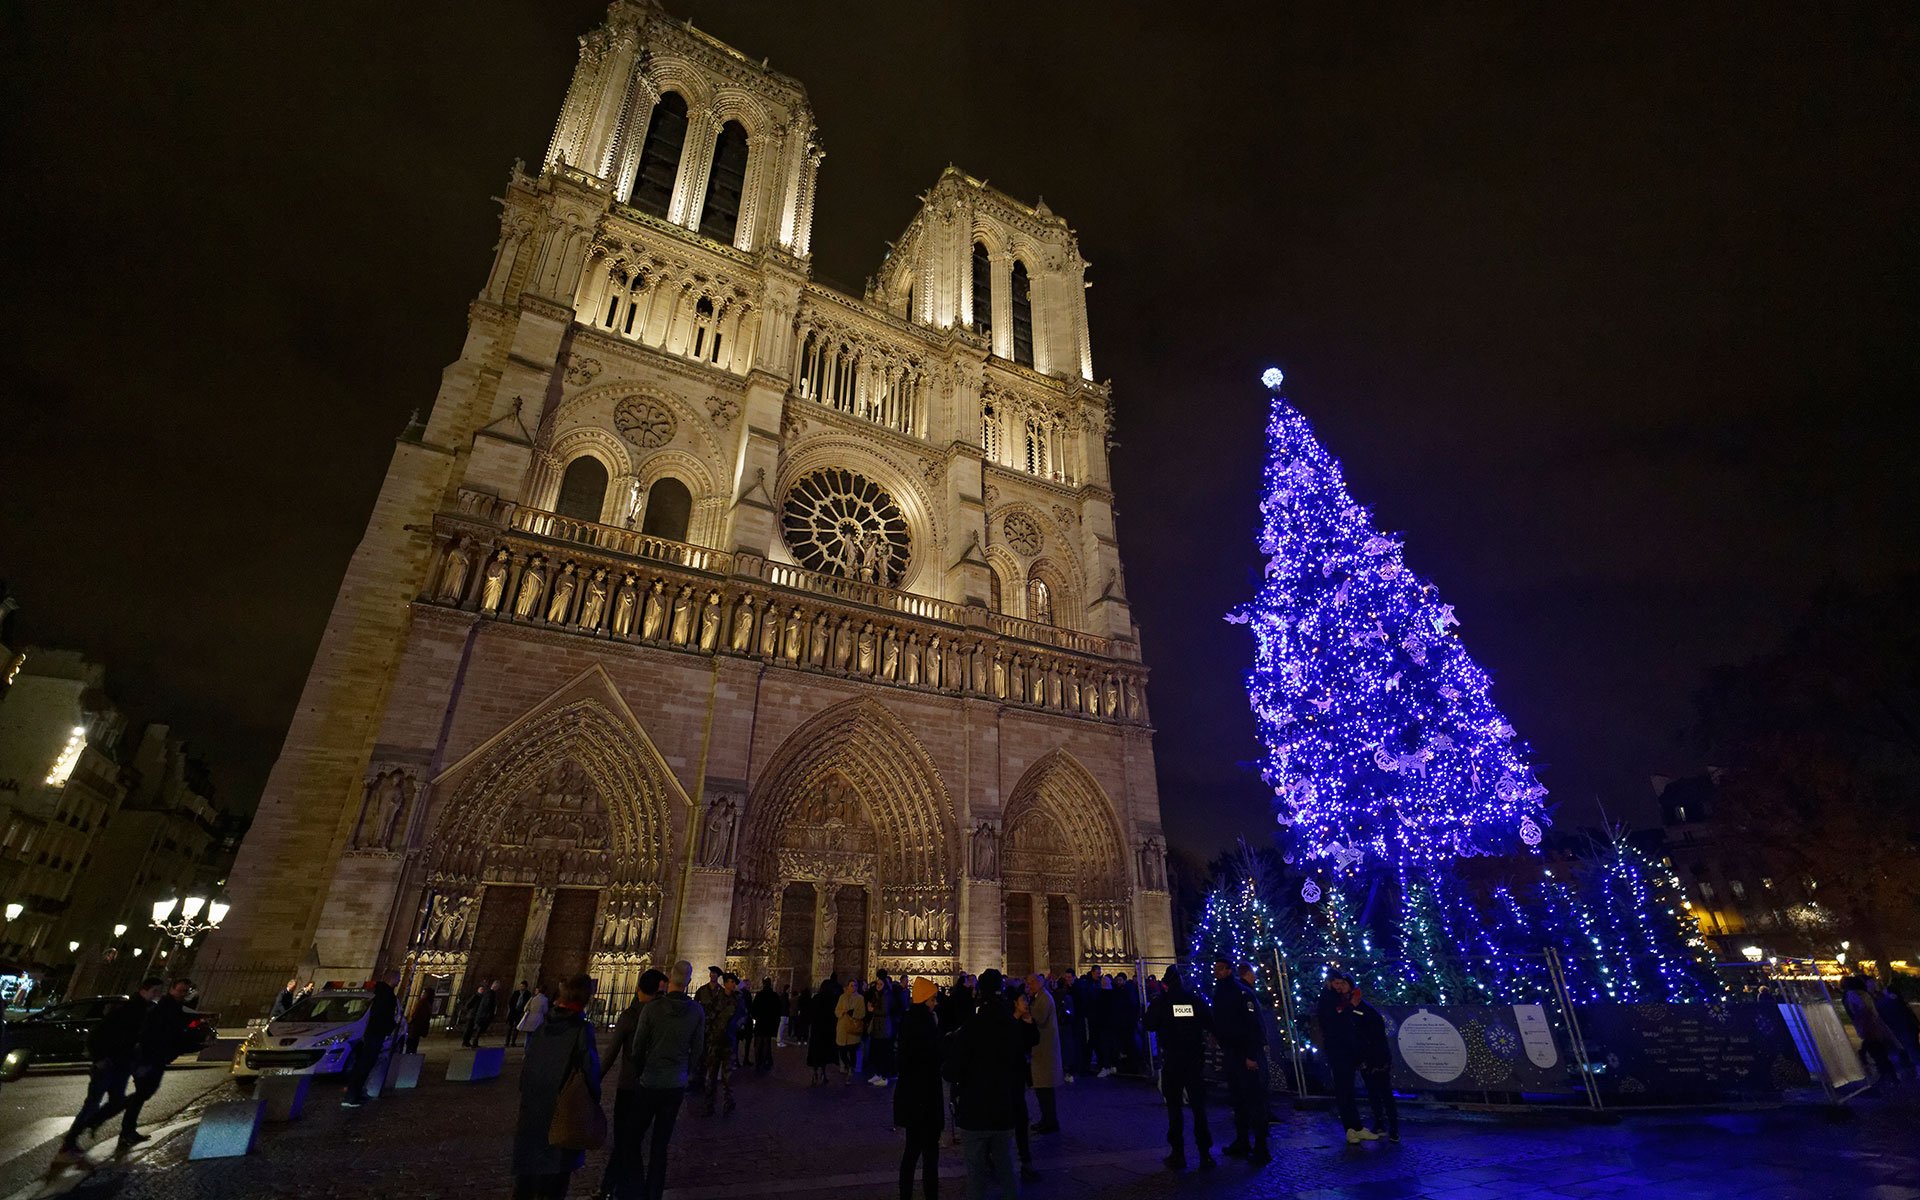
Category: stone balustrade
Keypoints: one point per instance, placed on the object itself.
(522, 565)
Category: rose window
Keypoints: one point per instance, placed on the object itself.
(644, 421)
(1022, 534)
(841, 523)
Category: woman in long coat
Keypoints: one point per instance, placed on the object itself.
(821, 1049)
(850, 1025)
(1048, 1069)
(918, 1106)
(562, 1043)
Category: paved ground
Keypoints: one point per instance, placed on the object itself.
(36, 1109)
(451, 1140)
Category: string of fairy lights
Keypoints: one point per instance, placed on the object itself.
(1390, 763)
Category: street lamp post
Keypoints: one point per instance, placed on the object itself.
(189, 924)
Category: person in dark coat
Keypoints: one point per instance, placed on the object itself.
(1089, 1008)
(563, 1044)
(799, 1009)
(111, 1047)
(625, 1177)
(480, 1011)
(1180, 1020)
(1339, 1038)
(419, 1019)
(986, 1060)
(1242, 1035)
(669, 1041)
(823, 1047)
(918, 1106)
(284, 1000)
(956, 1006)
(383, 1016)
(1376, 1062)
(768, 1007)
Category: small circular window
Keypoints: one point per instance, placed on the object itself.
(840, 523)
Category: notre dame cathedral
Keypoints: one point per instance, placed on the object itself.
(715, 614)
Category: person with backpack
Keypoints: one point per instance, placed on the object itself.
(110, 1048)
(561, 1048)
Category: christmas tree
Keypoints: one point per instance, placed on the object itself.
(1390, 763)
(1382, 741)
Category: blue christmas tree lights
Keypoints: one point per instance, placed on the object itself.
(1382, 740)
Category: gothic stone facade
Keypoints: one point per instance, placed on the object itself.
(715, 614)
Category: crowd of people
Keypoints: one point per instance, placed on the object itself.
(961, 1059)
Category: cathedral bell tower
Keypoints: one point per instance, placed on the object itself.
(714, 613)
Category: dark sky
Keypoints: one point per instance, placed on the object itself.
(1609, 309)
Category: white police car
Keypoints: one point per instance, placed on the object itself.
(314, 1037)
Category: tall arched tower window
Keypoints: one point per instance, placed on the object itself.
(1037, 457)
(669, 509)
(990, 434)
(982, 290)
(660, 155)
(583, 489)
(706, 336)
(1039, 601)
(1022, 315)
(720, 213)
(995, 600)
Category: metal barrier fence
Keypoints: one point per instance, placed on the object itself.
(1457, 1036)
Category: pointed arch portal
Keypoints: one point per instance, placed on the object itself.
(1065, 871)
(547, 848)
(848, 860)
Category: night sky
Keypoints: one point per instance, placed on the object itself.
(1610, 311)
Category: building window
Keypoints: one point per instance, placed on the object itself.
(583, 491)
(660, 155)
(990, 434)
(1038, 456)
(993, 590)
(1706, 891)
(706, 343)
(982, 290)
(1738, 889)
(1022, 316)
(726, 181)
(1039, 601)
(669, 509)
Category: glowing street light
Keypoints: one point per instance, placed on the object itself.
(189, 924)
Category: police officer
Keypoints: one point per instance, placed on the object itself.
(1180, 1020)
(1242, 1035)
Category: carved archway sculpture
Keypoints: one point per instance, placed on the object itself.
(851, 798)
(1062, 839)
(573, 795)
